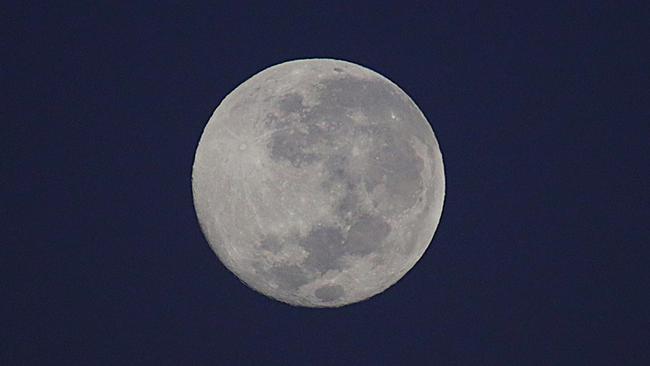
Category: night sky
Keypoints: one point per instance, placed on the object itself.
(541, 255)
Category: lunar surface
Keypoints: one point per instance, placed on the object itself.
(318, 182)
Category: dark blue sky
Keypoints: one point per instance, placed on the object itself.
(541, 255)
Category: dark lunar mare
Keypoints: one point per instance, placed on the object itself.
(305, 135)
(329, 293)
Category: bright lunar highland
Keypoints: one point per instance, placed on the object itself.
(318, 182)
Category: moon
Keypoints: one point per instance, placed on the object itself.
(318, 182)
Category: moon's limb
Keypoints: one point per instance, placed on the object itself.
(318, 182)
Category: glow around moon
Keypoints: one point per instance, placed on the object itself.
(318, 182)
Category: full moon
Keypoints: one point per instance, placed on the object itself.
(318, 182)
